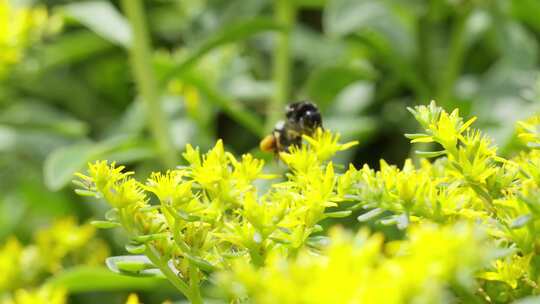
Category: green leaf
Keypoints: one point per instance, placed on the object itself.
(415, 135)
(201, 263)
(62, 163)
(318, 241)
(344, 17)
(112, 214)
(317, 228)
(280, 241)
(130, 152)
(227, 34)
(430, 154)
(370, 215)
(104, 224)
(521, 221)
(102, 18)
(36, 115)
(354, 98)
(528, 300)
(149, 237)
(325, 83)
(69, 92)
(400, 220)
(338, 214)
(234, 254)
(83, 192)
(315, 48)
(188, 217)
(135, 248)
(8, 138)
(531, 204)
(285, 230)
(70, 48)
(134, 265)
(92, 279)
(11, 215)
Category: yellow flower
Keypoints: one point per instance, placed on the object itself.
(440, 126)
(133, 299)
(509, 270)
(43, 295)
(529, 131)
(111, 183)
(10, 263)
(19, 26)
(124, 193)
(61, 239)
(212, 169)
(170, 187)
(358, 269)
(325, 144)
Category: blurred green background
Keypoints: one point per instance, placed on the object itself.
(226, 68)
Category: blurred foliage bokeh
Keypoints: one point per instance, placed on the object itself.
(88, 80)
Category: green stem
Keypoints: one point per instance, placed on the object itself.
(455, 60)
(256, 258)
(194, 283)
(140, 55)
(156, 259)
(284, 14)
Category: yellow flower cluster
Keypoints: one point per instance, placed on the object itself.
(529, 131)
(63, 244)
(41, 295)
(210, 213)
(470, 183)
(19, 26)
(209, 217)
(362, 269)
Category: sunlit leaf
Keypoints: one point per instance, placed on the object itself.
(133, 265)
(88, 279)
(102, 18)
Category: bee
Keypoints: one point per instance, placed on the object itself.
(301, 118)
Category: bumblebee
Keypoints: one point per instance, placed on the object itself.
(301, 118)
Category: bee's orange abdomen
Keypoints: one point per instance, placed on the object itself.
(268, 144)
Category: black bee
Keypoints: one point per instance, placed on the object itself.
(302, 118)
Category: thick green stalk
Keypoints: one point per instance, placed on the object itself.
(155, 257)
(455, 61)
(195, 284)
(140, 55)
(177, 282)
(284, 14)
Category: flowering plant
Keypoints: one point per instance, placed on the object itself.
(209, 221)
